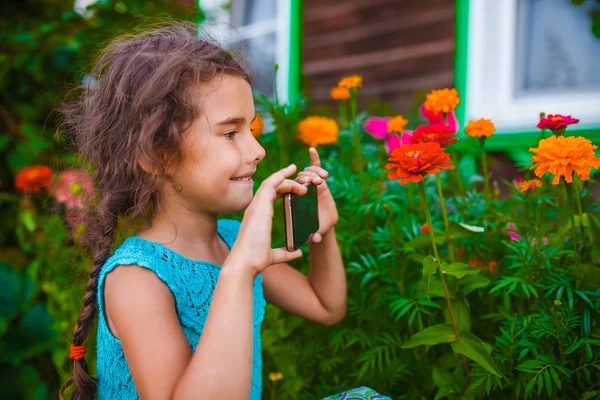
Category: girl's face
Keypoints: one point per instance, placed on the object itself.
(219, 147)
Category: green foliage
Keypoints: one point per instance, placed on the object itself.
(527, 310)
(42, 272)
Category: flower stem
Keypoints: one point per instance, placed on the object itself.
(273, 390)
(580, 212)
(486, 183)
(438, 180)
(358, 160)
(437, 256)
(573, 231)
(437, 259)
(343, 105)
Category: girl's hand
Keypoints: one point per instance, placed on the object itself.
(252, 248)
(328, 214)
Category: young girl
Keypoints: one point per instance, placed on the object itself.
(165, 120)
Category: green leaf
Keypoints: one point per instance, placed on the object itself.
(476, 384)
(473, 282)
(548, 382)
(444, 392)
(429, 268)
(443, 333)
(424, 240)
(28, 219)
(459, 230)
(555, 377)
(472, 347)
(529, 387)
(459, 270)
(441, 377)
(462, 314)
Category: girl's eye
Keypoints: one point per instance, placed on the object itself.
(230, 135)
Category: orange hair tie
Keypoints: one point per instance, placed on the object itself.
(77, 352)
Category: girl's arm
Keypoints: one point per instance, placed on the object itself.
(320, 297)
(143, 315)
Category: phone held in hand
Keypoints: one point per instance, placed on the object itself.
(301, 216)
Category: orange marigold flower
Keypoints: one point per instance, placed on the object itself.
(32, 179)
(443, 100)
(351, 82)
(340, 93)
(480, 128)
(257, 126)
(410, 162)
(563, 155)
(315, 131)
(397, 124)
(530, 185)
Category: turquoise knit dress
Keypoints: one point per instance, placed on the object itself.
(192, 284)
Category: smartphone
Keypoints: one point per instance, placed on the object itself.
(301, 217)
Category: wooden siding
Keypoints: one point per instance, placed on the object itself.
(398, 46)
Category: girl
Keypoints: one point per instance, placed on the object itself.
(165, 120)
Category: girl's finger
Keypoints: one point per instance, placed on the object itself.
(316, 237)
(309, 176)
(282, 255)
(315, 160)
(269, 186)
(290, 186)
(322, 172)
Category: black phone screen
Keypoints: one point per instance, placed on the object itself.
(305, 216)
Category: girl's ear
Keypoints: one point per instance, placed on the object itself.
(151, 167)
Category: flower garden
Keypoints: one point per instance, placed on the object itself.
(454, 290)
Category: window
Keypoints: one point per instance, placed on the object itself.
(263, 29)
(522, 57)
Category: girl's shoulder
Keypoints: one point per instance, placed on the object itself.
(153, 255)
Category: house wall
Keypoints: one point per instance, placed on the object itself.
(398, 46)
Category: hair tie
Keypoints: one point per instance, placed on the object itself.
(77, 352)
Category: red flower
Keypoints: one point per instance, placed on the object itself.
(410, 162)
(437, 133)
(32, 179)
(424, 228)
(556, 121)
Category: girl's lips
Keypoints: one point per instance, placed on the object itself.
(248, 181)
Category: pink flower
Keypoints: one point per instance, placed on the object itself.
(73, 188)
(438, 118)
(391, 143)
(511, 231)
(377, 127)
(556, 121)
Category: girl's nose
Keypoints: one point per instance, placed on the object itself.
(258, 152)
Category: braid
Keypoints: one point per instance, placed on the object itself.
(85, 385)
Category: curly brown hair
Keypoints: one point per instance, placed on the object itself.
(136, 104)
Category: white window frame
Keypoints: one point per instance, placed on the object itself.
(491, 75)
(280, 25)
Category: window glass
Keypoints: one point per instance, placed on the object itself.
(557, 51)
